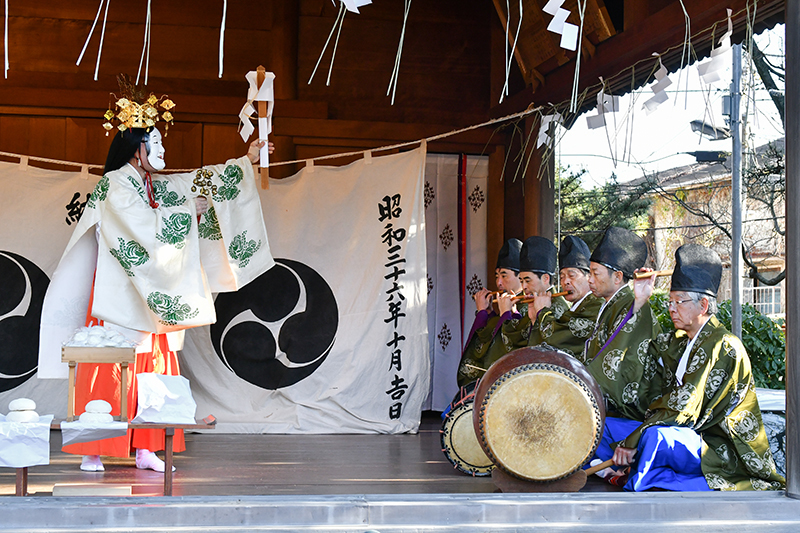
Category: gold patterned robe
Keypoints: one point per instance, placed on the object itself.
(717, 399)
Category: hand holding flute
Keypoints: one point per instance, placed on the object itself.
(539, 301)
(483, 299)
(644, 280)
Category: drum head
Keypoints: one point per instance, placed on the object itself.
(539, 422)
(460, 444)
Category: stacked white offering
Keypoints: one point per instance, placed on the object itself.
(97, 412)
(22, 410)
(97, 336)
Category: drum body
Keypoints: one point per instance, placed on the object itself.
(538, 414)
(459, 443)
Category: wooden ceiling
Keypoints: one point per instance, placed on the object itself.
(538, 51)
(618, 34)
(451, 72)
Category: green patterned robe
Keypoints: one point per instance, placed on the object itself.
(491, 344)
(516, 331)
(157, 266)
(717, 399)
(626, 372)
(567, 330)
(475, 351)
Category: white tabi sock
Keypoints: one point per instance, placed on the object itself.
(92, 463)
(147, 460)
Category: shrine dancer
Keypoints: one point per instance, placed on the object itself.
(144, 259)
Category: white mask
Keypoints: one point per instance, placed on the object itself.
(156, 151)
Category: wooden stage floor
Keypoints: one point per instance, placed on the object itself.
(282, 465)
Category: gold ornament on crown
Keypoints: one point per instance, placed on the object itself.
(135, 109)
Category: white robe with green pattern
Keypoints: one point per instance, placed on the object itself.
(156, 268)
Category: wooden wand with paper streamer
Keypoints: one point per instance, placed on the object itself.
(260, 91)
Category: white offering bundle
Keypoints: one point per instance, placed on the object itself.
(97, 412)
(24, 435)
(99, 336)
(22, 410)
(96, 423)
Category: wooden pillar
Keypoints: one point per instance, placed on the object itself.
(494, 215)
(283, 55)
(792, 250)
(284, 39)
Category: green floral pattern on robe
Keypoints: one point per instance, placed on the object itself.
(169, 309)
(129, 254)
(717, 399)
(626, 372)
(164, 196)
(174, 229)
(208, 228)
(242, 250)
(99, 193)
(231, 177)
(137, 184)
(566, 330)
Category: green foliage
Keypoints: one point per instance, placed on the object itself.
(763, 339)
(658, 303)
(765, 342)
(588, 213)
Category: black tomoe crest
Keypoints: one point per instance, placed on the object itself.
(22, 289)
(279, 329)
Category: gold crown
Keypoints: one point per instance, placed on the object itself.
(133, 110)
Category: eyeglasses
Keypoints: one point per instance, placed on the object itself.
(676, 303)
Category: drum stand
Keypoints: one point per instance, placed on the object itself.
(508, 483)
(572, 483)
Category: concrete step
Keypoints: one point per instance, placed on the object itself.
(652, 512)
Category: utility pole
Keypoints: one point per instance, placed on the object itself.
(792, 250)
(736, 194)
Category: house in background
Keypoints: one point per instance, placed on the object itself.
(705, 187)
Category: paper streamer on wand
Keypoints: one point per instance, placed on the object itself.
(264, 93)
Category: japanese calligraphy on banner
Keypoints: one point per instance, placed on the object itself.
(333, 339)
(350, 352)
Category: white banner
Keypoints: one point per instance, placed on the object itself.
(444, 302)
(333, 339)
(455, 189)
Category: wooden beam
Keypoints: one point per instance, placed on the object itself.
(517, 55)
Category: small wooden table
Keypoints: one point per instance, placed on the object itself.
(88, 354)
(169, 430)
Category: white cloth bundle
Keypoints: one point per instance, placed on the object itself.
(164, 399)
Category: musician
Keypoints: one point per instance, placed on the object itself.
(537, 268)
(616, 353)
(567, 322)
(487, 322)
(705, 431)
